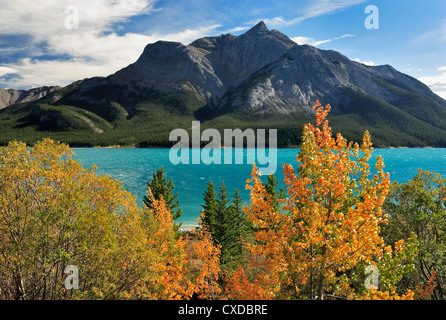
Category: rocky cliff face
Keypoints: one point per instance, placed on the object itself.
(304, 73)
(261, 70)
(12, 96)
(211, 66)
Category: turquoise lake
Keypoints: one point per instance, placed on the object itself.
(134, 167)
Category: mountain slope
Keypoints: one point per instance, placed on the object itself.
(260, 79)
(12, 96)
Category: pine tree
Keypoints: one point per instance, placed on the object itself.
(222, 210)
(235, 227)
(271, 187)
(237, 207)
(226, 223)
(160, 186)
(209, 207)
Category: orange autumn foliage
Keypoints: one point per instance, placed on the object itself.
(374, 294)
(327, 225)
(205, 263)
(424, 293)
(177, 277)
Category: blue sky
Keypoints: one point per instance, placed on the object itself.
(37, 48)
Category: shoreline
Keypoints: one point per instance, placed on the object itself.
(164, 147)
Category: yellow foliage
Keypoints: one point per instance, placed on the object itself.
(55, 213)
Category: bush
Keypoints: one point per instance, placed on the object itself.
(55, 214)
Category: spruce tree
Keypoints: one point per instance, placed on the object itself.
(210, 207)
(243, 224)
(272, 188)
(160, 186)
(234, 230)
(222, 211)
(226, 222)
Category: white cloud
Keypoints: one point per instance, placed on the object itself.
(92, 49)
(317, 43)
(280, 21)
(323, 7)
(35, 73)
(438, 34)
(436, 83)
(46, 18)
(313, 42)
(188, 35)
(236, 29)
(115, 49)
(303, 40)
(7, 70)
(367, 63)
(316, 9)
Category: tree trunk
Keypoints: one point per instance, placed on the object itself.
(320, 287)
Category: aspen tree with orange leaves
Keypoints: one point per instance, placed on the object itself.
(184, 267)
(316, 242)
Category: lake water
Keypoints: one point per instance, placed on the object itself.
(134, 167)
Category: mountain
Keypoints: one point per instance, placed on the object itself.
(260, 79)
(12, 96)
(209, 66)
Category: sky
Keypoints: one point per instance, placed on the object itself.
(56, 42)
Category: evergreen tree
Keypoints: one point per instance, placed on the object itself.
(210, 206)
(225, 221)
(160, 186)
(235, 228)
(222, 211)
(237, 207)
(245, 226)
(272, 188)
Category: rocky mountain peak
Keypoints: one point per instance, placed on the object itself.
(261, 70)
(258, 28)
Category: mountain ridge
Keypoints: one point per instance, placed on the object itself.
(240, 57)
(12, 96)
(259, 78)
